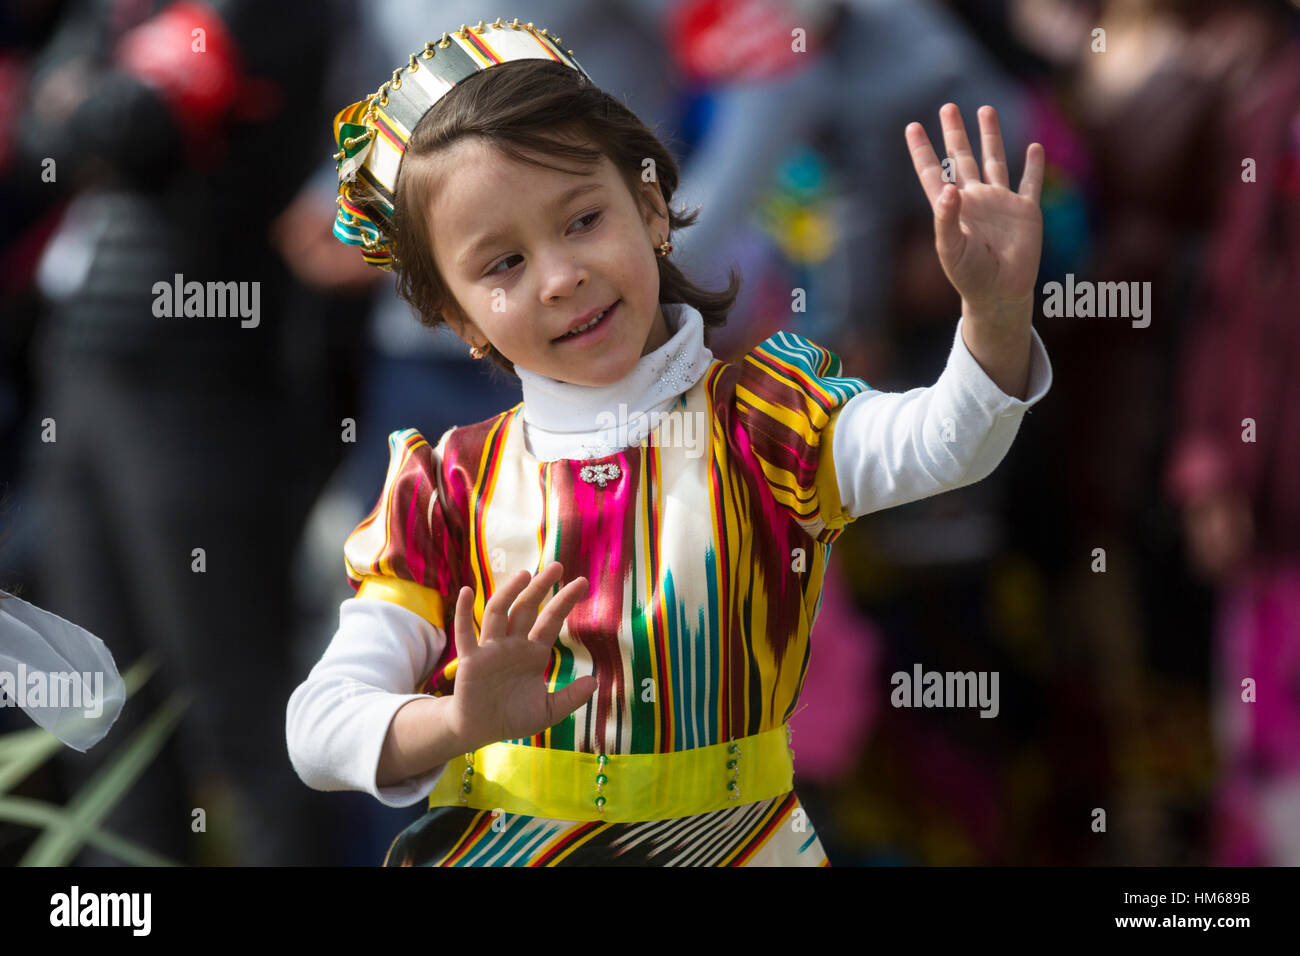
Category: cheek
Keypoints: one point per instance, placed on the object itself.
(636, 264)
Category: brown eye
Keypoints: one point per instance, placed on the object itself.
(493, 270)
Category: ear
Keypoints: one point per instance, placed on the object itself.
(654, 211)
(468, 332)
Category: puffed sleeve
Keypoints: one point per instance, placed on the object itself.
(407, 550)
(788, 395)
(392, 637)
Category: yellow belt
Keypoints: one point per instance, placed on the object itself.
(619, 788)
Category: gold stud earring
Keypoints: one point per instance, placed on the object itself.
(478, 351)
(665, 247)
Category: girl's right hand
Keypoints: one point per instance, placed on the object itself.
(500, 692)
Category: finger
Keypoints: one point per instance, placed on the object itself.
(924, 160)
(569, 698)
(1031, 183)
(552, 618)
(948, 237)
(957, 145)
(465, 636)
(524, 613)
(991, 148)
(495, 614)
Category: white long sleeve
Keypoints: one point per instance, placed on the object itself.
(890, 448)
(339, 716)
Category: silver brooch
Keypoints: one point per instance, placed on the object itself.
(599, 474)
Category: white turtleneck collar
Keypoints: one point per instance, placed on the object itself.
(562, 420)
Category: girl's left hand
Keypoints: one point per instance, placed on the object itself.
(989, 238)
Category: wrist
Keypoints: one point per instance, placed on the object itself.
(1009, 315)
(461, 729)
(424, 733)
(1002, 347)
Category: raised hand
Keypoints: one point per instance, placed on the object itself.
(989, 238)
(500, 691)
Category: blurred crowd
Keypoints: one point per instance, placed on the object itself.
(182, 487)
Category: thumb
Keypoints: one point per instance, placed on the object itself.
(570, 698)
(948, 238)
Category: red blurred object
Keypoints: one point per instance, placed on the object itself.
(198, 74)
(741, 40)
(200, 84)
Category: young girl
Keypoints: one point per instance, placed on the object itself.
(581, 625)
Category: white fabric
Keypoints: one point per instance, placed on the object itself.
(562, 420)
(338, 717)
(80, 690)
(894, 447)
(889, 448)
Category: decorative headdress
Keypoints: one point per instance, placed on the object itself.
(372, 134)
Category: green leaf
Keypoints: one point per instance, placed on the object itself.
(103, 791)
(34, 813)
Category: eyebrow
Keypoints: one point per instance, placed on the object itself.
(555, 204)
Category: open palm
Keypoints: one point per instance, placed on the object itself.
(989, 239)
(501, 691)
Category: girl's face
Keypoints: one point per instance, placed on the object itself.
(528, 252)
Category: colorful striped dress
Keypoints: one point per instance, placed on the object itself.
(705, 560)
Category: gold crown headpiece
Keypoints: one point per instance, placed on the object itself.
(372, 134)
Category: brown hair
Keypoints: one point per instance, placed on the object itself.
(530, 109)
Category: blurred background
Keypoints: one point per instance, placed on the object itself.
(1172, 130)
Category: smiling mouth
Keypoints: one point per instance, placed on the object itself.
(591, 326)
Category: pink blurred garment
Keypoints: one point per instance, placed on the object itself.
(1258, 806)
(839, 703)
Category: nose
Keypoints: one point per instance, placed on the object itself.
(562, 276)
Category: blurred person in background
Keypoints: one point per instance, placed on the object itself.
(1154, 97)
(1144, 102)
(169, 467)
(32, 213)
(1234, 468)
